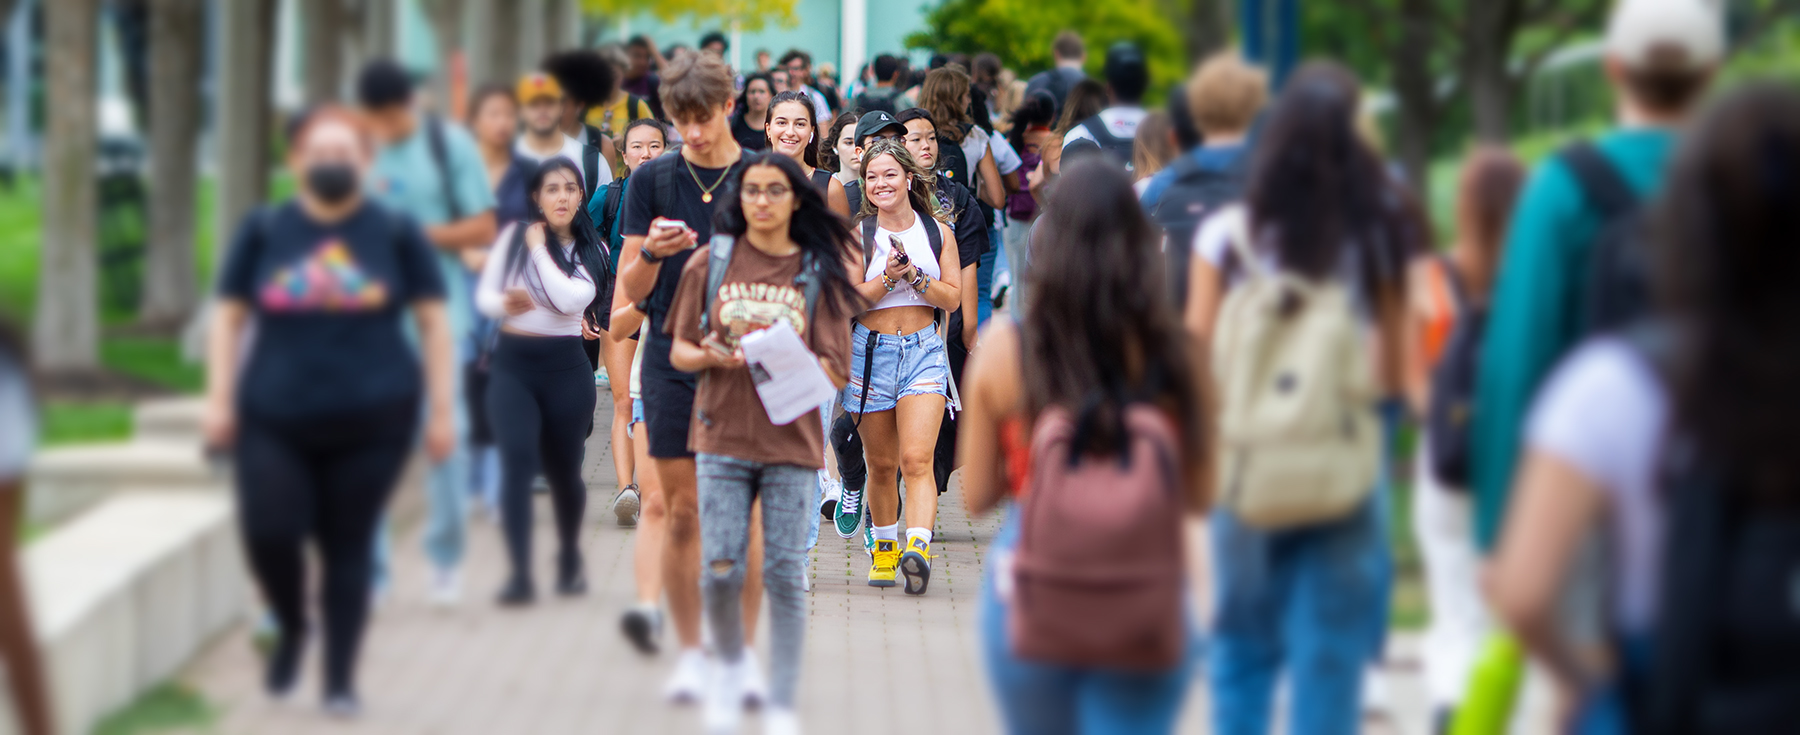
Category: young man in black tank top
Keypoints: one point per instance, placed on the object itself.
(668, 213)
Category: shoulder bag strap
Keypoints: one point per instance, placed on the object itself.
(440, 153)
(718, 261)
(1600, 181)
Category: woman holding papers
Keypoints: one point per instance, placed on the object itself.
(547, 275)
(785, 264)
(900, 378)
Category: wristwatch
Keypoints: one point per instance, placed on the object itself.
(649, 257)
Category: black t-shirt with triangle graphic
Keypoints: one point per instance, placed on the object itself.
(328, 303)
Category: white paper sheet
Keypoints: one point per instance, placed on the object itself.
(788, 376)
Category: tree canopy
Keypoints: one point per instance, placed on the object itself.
(1020, 31)
(751, 15)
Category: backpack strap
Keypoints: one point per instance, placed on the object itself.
(590, 167)
(1237, 238)
(615, 199)
(868, 240)
(934, 235)
(1459, 291)
(440, 154)
(718, 261)
(632, 102)
(1600, 181)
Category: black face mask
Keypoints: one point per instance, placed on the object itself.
(331, 182)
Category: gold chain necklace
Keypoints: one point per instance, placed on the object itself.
(705, 191)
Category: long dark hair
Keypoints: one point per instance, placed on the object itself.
(1039, 108)
(1086, 99)
(590, 250)
(743, 99)
(810, 152)
(1319, 188)
(828, 155)
(818, 231)
(1724, 277)
(1100, 329)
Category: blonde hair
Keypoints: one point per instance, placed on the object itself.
(1225, 94)
(922, 193)
(1152, 149)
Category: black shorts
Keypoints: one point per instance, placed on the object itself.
(668, 411)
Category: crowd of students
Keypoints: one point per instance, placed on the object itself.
(1203, 350)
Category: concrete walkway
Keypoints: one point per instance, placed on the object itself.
(877, 661)
(880, 661)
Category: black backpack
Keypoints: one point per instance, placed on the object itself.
(953, 163)
(1120, 148)
(1618, 290)
(870, 101)
(1451, 412)
(1195, 194)
(1726, 642)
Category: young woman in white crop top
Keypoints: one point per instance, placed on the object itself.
(900, 373)
(547, 275)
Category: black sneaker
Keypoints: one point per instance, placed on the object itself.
(517, 593)
(343, 706)
(642, 626)
(571, 575)
(283, 665)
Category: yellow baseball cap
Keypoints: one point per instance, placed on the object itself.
(538, 84)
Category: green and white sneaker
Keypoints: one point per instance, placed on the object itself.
(849, 512)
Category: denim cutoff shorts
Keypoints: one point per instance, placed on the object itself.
(912, 365)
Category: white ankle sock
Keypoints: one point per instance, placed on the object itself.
(912, 533)
(888, 533)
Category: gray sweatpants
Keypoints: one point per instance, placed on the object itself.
(727, 487)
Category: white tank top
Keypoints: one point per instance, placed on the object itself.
(918, 248)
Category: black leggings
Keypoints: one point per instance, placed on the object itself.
(541, 405)
(328, 478)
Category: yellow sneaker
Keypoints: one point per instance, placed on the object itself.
(915, 565)
(887, 557)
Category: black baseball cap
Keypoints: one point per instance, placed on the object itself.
(875, 122)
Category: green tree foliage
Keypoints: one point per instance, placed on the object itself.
(1020, 32)
(751, 15)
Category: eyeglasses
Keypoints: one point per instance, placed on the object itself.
(775, 192)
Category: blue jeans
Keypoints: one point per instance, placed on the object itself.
(911, 365)
(727, 487)
(1047, 699)
(984, 277)
(1311, 601)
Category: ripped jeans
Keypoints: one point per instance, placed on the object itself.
(727, 487)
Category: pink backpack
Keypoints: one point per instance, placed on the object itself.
(1097, 578)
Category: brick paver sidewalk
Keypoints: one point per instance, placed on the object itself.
(877, 661)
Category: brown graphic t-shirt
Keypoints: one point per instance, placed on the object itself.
(757, 292)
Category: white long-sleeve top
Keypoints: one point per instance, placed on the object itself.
(557, 300)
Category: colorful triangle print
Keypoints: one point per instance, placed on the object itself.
(328, 279)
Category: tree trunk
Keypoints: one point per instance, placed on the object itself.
(1415, 92)
(1208, 28)
(176, 33)
(243, 117)
(322, 30)
(379, 23)
(67, 330)
(503, 43)
(1492, 26)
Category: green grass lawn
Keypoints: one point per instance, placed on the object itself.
(169, 708)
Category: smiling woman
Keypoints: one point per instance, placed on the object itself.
(793, 131)
(780, 256)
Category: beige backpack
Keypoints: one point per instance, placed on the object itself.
(1299, 439)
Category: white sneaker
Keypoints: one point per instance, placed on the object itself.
(446, 587)
(756, 691)
(828, 498)
(780, 721)
(724, 707)
(689, 680)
